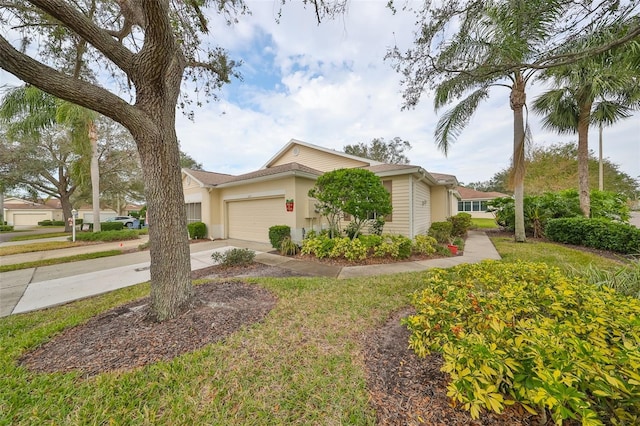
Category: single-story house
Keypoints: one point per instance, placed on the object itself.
(475, 202)
(246, 206)
(19, 212)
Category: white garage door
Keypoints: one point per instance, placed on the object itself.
(28, 219)
(250, 220)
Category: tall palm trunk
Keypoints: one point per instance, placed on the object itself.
(95, 177)
(583, 156)
(517, 101)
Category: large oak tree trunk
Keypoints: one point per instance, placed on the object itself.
(517, 101)
(169, 246)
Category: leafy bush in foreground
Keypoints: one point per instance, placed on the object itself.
(524, 332)
(107, 235)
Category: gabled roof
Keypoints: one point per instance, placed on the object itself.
(277, 171)
(319, 148)
(470, 194)
(25, 206)
(207, 178)
(211, 179)
(443, 178)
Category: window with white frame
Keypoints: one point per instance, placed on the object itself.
(194, 212)
(472, 206)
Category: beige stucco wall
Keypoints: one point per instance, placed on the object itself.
(443, 204)
(291, 187)
(316, 159)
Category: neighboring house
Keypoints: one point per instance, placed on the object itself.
(246, 206)
(475, 202)
(19, 212)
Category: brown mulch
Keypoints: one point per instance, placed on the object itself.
(407, 390)
(404, 389)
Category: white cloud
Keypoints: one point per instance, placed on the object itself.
(328, 84)
(336, 89)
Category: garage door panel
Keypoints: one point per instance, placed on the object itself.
(29, 219)
(251, 219)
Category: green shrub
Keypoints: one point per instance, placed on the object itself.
(277, 233)
(46, 222)
(394, 246)
(319, 246)
(524, 332)
(377, 225)
(107, 236)
(111, 226)
(552, 205)
(602, 234)
(197, 230)
(370, 241)
(352, 230)
(441, 231)
(234, 257)
(288, 247)
(460, 224)
(624, 280)
(424, 244)
(4, 228)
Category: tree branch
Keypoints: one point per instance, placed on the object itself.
(66, 87)
(71, 18)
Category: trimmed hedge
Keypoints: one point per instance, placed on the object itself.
(277, 233)
(197, 230)
(601, 234)
(6, 228)
(121, 235)
(111, 226)
(52, 223)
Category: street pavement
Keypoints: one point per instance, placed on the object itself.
(36, 288)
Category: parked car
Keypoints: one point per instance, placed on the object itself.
(128, 221)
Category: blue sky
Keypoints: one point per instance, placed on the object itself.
(329, 85)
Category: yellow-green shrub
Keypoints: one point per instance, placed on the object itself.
(524, 332)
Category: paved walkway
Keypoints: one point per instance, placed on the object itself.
(36, 288)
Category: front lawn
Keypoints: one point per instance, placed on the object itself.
(302, 365)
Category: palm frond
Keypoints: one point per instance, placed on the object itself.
(455, 120)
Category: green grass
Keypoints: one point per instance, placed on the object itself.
(33, 247)
(40, 236)
(565, 258)
(58, 260)
(301, 365)
(483, 223)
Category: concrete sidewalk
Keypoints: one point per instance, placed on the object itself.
(36, 288)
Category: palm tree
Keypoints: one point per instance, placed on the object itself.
(598, 90)
(465, 47)
(506, 33)
(31, 111)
